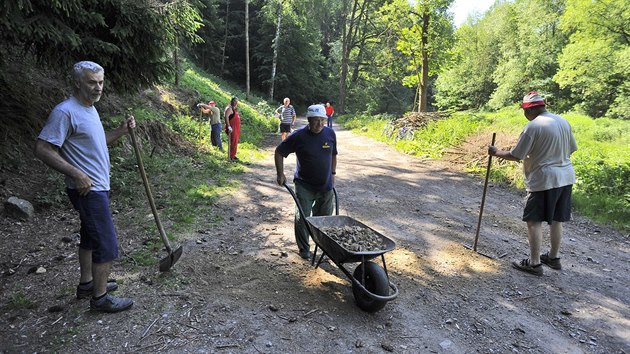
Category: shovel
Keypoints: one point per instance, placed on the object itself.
(173, 256)
(483, 201)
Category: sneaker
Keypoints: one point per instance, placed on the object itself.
(553, 263)
(85, 291)
(526, 267)
(305, 255)
(109, 303)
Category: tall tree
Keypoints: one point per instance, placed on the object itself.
(225, 37)
(184, 21)
(426, 42)
(276, 45)
(247, 48)
(350, 32)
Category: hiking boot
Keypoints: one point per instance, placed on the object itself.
(526, 267)
(109, 303)
(553, 263)
(84, 291)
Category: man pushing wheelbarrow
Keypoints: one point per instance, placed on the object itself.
(315, 147)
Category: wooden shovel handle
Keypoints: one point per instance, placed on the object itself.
(147, 189)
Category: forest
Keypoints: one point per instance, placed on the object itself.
(367, 56)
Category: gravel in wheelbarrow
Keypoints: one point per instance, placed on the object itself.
(347, 240)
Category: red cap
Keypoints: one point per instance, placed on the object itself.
(532, 99)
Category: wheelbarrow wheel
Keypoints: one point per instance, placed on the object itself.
(376, 282)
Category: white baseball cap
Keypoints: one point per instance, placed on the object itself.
(316, 110)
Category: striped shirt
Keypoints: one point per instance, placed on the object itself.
(286, 114)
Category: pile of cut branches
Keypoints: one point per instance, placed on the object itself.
(406, 126)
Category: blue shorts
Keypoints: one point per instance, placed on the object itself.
(550, 205)
(97, 227)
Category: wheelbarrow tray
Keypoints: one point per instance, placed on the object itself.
(334, 250)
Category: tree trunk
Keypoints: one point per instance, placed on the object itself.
(276, 44)
(358, 62)
(227, 13)
(346, 35)
(426, 17)
(247, 48)
(176, 59)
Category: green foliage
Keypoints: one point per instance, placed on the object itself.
(594, 65)
(130, 39)
(468, 84)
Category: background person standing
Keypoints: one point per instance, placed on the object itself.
(330, 111)
(232, 126)
(74, 143)
(545, 147)
(215, 122)
(315, 147)
(287, 115)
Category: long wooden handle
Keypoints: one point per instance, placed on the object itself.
(483, 198)
(147, 189)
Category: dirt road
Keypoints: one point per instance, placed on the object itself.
(242, 288)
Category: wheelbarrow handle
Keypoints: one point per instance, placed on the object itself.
(297, 202)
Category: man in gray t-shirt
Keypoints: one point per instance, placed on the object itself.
(74, 143)
(545, 147)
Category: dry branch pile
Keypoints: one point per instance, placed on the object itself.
(405, 126)
(473, 152)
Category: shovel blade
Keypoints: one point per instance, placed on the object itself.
(474, 250)
(167, 262)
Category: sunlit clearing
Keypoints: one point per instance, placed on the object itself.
(314, 278)
(456, 260)
(405, 261)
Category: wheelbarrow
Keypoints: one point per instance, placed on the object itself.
(371, 286)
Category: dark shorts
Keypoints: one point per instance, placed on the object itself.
(550, 205)
(285, 127)
(97, 227)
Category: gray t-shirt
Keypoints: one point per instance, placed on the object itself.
(545, 147)
(78, 132)
(215, 116)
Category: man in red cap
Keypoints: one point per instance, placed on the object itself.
(545, 147)
(215, 122)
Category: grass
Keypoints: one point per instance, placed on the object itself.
(602, 162)
(20, 301)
